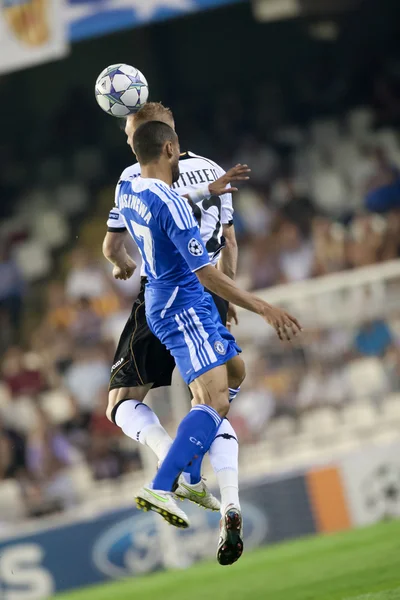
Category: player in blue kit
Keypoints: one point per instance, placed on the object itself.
(178, 310)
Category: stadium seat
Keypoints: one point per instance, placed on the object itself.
(51, 228)
(319, 422)
(359, 122)
(81, 480)
(360, 415)
(23, 416)
(58, 406)
(279, 428)
(33, 203)
(11, 502)
(325, 133)
(71, 198)
(33, 259)
(367, 378)
(391, 407)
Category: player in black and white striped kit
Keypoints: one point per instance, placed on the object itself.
(141, 362)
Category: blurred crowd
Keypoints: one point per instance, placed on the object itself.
(324, 197)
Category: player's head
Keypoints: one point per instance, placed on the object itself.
(155, 142)
(151, 111)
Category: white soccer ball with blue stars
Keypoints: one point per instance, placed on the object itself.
(121, 90)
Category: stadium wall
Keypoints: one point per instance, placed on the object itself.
(361, 488)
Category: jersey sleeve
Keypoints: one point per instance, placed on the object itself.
(177, 220)
(226, 202)
(115, 221)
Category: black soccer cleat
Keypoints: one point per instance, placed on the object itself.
(230, 545)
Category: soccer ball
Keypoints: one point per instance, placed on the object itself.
(121, 90)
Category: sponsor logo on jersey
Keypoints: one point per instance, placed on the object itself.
(113, 215)
(117, 364)
(195, 248)
(219, 347)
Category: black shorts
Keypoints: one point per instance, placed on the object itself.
(141, 358)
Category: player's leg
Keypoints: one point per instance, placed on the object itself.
(224, 458)
(236, 375)
(126, 408)
(200, 354)
(193, 439)
(236, 371)
(141, 362)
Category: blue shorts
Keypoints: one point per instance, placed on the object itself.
(196, 338)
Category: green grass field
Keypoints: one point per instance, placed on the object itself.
(356, 565)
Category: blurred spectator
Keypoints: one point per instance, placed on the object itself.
(86, 325)
(373, 339)
(328, 189)
(262, 159)
(383, 186)
(321, 385)
(86, 279)
(12, 454)
(367, 237)
(329, 241)
(60, 312)
(48, 456)
(20, 378)
(296, 257)
(12, 288)
(86, 377)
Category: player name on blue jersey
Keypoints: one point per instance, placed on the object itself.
(133, 202)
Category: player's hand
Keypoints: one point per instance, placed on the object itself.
(286, 326)
(222, 185)
(231, 316)
(125, 271)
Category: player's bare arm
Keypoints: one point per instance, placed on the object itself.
(229, 255)
(228, 265)
(284, 324)
(115, 252)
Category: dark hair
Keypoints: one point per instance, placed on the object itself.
(149, 140)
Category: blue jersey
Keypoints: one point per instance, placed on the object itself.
(164, 228)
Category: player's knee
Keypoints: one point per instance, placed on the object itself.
(115, 397)
(237, 375)
(113, 401)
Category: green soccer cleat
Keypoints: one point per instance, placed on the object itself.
(197, 493)
(163, 503)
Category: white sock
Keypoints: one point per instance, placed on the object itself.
(141, 424)
(224, 457)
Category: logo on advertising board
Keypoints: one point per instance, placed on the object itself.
(133, 546)
(381, 490)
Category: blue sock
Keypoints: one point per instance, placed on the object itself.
(193, 471)
(195, 435)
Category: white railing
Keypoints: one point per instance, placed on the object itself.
(339, 298)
